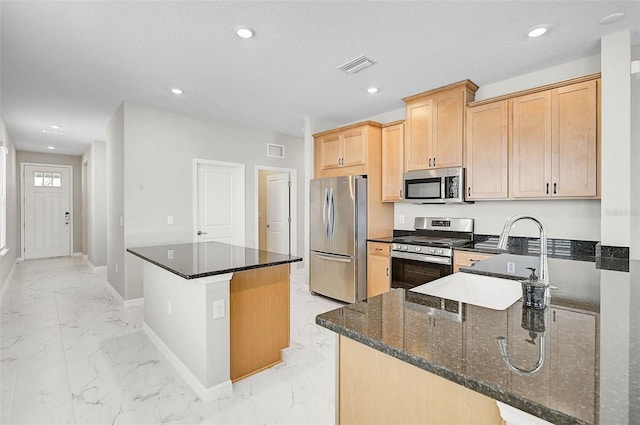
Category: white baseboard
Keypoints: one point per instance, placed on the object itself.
(207, 395)
(115, 294)
(134, 302)
(99, 268)
(6, 281)
(19, 260)
(77, 254)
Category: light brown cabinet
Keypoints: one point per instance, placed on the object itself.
(343, 149)
(486, 158)
(435, 127)
(378, 268)
(554, 143)
(392, 161)
(467, 258)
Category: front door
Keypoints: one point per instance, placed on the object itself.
(278, 215)
(219, 202)
(47, 211)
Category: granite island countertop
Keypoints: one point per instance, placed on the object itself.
(202, 259)
(590, 374)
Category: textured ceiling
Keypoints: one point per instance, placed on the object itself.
(73, 63)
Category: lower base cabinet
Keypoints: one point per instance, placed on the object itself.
(378, 269)
(375, 388)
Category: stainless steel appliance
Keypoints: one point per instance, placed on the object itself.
(440, 186)
(338, 238)
(427, 253)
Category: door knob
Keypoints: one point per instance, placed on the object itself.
(200, 232)
(267, 225)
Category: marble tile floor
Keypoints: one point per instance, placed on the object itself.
(71, 355)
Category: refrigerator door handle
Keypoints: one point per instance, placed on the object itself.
(332, 222)
(333, 258)
(325, 209)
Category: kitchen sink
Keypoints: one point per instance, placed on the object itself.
(484, 291)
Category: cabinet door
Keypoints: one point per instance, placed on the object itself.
(353, 150)
(448, 130)
(330, 151)
(378, 270)
(531, 146)
(574, 148)
(417, 148)
(447, 343)
(487, 146)
(392, 162)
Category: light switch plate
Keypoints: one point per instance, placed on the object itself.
(401, 219)
(511, 267)
(169, 219)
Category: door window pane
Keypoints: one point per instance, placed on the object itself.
(56, 180)
(38, 179)
(47, 179)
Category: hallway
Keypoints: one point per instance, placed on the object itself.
(71, 355)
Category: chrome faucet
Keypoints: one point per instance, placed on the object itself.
(543, 268)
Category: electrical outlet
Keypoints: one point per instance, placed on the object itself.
(170, 254)
(511, 267)
(218, 309)
(169, 307)
(169, 219)
(401, 219)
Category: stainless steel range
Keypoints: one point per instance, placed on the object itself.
(427, 253)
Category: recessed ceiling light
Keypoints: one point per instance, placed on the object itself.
(54, 132)
(538, 30)
(610, 19)
(176, 90)
(51, 147)
(244, 32)
(372, 90)
(55, 127)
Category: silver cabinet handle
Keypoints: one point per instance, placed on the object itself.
(200, 232)
(333, 258)
(400, 193)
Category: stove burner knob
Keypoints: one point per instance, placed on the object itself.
(440, 251)
(418, 249)
(432, 250)
(404, 247)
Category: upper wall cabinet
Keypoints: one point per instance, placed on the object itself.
(435, 127)
(486, 158)
(554, 143)
(392, 161)
(344, 151)
(543, 142)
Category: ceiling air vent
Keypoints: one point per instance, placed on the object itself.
(358, 64)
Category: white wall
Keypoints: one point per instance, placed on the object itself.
(159, 148)
(96, 159)
(115, 201)
(13, 220)
(616, 139)
(54, 159)
(635, 159)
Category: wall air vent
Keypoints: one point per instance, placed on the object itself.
(358, 64)
(275, 151)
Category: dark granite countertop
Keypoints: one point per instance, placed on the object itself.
(591, 371)
(383, 239)
(195, 260)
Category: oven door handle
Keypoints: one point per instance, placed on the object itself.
(421, 257)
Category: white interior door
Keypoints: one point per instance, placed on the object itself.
(219, 202)
(278, 213)
(47, 211)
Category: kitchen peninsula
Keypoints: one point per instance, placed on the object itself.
(218, 312)
(407, 357)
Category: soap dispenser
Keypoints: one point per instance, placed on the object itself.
(534, 291)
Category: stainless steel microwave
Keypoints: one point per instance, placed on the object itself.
(439, 186)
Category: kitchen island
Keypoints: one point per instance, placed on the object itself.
(218, 312)
(406, 357)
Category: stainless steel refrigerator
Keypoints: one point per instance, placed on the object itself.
(338, 238)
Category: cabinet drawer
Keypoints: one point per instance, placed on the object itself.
(467, 258)
(379, 248)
